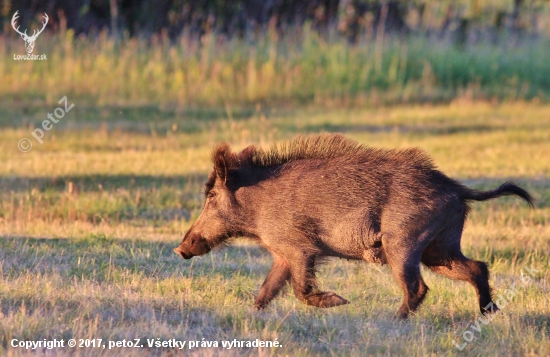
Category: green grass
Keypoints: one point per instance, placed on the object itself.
(89, 218)
(299, 68)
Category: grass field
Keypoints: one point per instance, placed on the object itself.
(89, 218)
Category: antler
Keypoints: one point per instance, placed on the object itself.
(35, 34)
(13, 23)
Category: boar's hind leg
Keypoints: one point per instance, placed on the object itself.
(276, 279)
(405, 266)
(305, 287)
(472, 271)
(443, 256)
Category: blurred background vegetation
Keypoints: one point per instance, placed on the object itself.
(195, 53)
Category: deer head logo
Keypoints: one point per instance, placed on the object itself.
(29, 40)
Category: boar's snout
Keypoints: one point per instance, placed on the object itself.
(192, 245)
(179, 251)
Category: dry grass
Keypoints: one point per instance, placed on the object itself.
(88, 220)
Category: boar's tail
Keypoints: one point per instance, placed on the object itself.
(506, 189)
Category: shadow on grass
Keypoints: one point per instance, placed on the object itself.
(133, 120)
(100, 182)
(404, 129)
(152, 259)
(155, 259)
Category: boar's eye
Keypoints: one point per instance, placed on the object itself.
(211, 194)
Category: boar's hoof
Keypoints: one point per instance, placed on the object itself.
(260, 306)
(401, 315)
(325, 300)
(490, 309)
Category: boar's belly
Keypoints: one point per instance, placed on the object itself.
(374, 255)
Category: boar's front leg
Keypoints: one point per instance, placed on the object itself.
(276, 279)
(302, 269)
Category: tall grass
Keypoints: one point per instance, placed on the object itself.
(299, 68)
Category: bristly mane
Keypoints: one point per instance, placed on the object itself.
(321, 146)
(324, 146)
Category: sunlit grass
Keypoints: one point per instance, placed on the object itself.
(88, 220)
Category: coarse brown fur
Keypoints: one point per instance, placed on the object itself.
(325, 195)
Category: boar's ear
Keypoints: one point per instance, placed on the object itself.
(220, 158)
(221, 169)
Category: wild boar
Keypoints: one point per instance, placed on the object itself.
(328, 196)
